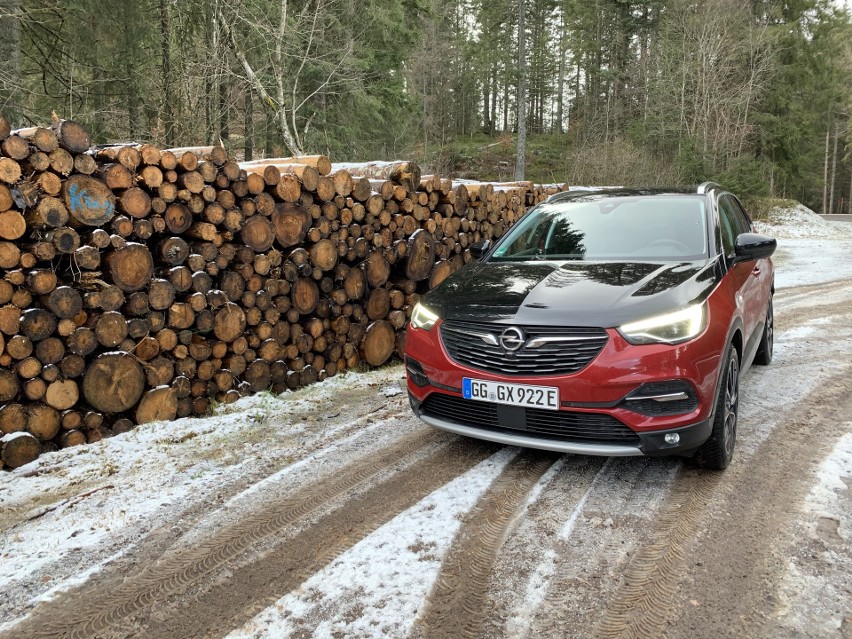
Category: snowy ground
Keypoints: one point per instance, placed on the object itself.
(72, 518)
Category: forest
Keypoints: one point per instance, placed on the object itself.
(754, 94)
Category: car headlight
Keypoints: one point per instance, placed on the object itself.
(670, 328)
(422, 317)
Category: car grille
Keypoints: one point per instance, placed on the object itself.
(462, 341)
(597, 428)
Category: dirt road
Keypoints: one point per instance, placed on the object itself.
(384, 527)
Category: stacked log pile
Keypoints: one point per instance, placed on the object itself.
(143, 284)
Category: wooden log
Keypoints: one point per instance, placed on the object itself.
(71, 419)
(13, 418)
(50, 350)
(178, 218)
(6, 199)
(173, 251)
(135, 202)
(379, 343)
(229, 322)
(320, 162)
(9, 385)
(270, 173)
(291, 224)
(168, 161)
(10, 171)
(18, 449)
(304, 295)
(64, 239)
(15, 147)
(89, 201)
(420, 256)
(28, 368)
(41, 138)
(72, 136)
(377, 269)
(440, 271)
(111, 329)
(41, 281)
(62, 394)
(50, 212)
(12, 225)
(37, 324)
(113, 383)
(43, 421)
(71, 438)
(258, 233)
(323, 255)
(378, 304)
(132, 267)
(158, 404)
(404, 173)
(10, 255)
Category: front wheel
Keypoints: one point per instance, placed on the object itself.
(764, 349)
(717, 451)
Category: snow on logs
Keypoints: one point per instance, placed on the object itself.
(142, 284)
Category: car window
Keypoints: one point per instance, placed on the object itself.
(743, 222)
(664, 227)
(728, 224)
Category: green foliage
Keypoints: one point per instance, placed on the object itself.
(745, 176)
(650, 91)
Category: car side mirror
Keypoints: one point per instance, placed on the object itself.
(752, 246)
(480, 248)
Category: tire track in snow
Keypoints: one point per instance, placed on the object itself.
(457, 605)
(588, 548)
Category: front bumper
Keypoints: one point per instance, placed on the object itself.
(652, 443)
(597, 415)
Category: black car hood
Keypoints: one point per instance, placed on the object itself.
(572, 293)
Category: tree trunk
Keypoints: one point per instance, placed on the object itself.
(249, 124)
(833, 173)
(168, 97)
(520, 162)
(560, 91)
(825, 172)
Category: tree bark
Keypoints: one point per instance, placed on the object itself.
(520, 161)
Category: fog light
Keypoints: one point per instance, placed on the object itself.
(672, 438)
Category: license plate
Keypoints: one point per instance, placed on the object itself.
(512, 394)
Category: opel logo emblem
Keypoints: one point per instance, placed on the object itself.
(512, 339)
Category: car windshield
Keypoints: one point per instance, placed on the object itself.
(642, 228)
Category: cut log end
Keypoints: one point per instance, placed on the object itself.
(19, 449)
(113, 383)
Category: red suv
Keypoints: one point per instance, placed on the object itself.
(613, 322)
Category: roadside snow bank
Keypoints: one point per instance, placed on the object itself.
(800, 222)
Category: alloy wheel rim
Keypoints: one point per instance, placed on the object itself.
(731, 399)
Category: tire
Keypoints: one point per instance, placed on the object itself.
(767, 340)
(716, 453)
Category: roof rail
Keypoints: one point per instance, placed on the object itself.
(706, 186)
